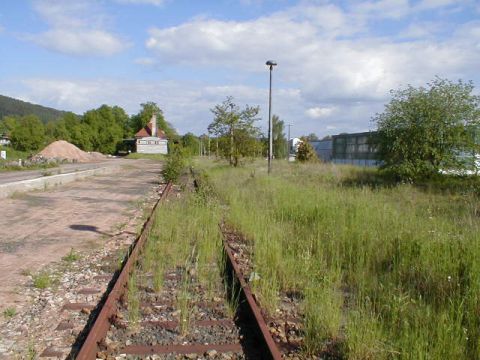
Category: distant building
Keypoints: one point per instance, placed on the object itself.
(292, 148)
(4, 139)
(352, 149)
(323, 148)
(151, 140)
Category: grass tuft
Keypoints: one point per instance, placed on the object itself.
(9, 312)
(42, 280)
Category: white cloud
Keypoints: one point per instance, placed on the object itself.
(319, 112)
(422, 30)
(331, 65)
(187, 105)
(316, 55)
(95, 42)
(146, 2)
(76, 28)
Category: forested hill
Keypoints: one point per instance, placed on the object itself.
(11, 106)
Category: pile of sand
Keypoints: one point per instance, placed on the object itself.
(63, 150)
(96, 156)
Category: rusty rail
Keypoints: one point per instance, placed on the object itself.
(271, 348)
(101, 325)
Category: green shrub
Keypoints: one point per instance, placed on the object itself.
(305, 152)
(176, 162)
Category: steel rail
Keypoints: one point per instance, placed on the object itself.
(271, 348)
(100, 327)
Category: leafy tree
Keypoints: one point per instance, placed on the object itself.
(28, 134)
(426, 129)
(235, 130)
(104, 130)
(305, 151)
(82, 136)
(190, 143)
(141, 119)
(312, 137)
(122, 120)
(7, 124)
(278, 138)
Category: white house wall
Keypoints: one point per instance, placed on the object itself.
(152, 145)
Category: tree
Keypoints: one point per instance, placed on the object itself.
(190, 143)
(141, 119)
(235, 130)
(305, 151)
(28, 134)
(427, 129)
(312, 137)
(7, 124)
(278, 138)
(104, 129)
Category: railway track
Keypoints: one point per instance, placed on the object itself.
(183, 320)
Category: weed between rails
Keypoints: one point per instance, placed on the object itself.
(384, 272)
(185, 241)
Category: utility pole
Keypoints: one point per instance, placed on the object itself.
(209, 146)
(271, 64)
(288, 142)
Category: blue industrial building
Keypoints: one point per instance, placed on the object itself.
(351, 149)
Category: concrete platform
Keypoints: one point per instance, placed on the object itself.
(46, 182)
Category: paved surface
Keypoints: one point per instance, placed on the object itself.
(40, 227)
(12, 176)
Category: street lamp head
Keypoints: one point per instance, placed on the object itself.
(271, 63)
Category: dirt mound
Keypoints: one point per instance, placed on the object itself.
(97, 156)
(63, 150)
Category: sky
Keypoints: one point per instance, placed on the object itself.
(337, 60)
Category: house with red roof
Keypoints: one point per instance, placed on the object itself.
(150, 139)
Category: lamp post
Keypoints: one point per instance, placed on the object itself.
(271, 64)
(288, 143)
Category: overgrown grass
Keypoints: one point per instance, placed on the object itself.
(184, 238)
(386, 271)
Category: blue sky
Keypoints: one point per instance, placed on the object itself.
(337, 60)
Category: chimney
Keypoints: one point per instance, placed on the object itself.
(153, 121)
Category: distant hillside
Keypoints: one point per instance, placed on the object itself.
(10, 106)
